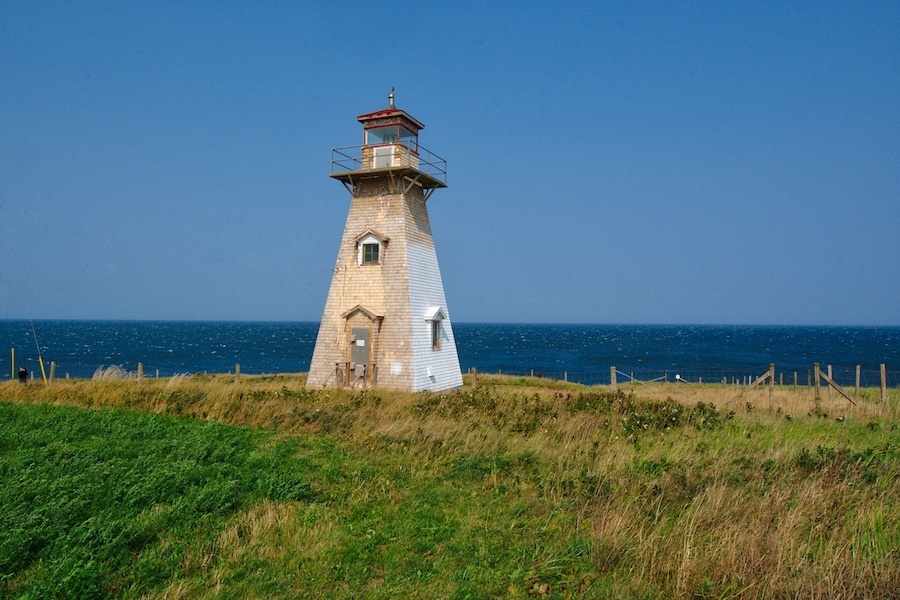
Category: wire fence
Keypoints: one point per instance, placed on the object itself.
(842, 374)
(55, 371)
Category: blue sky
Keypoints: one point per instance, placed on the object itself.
(678, 162)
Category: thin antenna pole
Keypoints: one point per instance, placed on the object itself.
(12, 348)
(34, 333)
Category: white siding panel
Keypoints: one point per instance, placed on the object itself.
(434, 369)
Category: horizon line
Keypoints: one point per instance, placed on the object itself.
(510, 323)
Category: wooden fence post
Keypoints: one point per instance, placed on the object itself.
(474, 378)
(831, 378)
(883, 383)
(140, 372)
(857, 381)
(52, 370)
(816, 369)
(612, 379)
(795, 381)
(237, 371)
(771, 387)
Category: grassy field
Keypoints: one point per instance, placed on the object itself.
(522, 488)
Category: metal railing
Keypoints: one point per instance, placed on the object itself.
(405, 155)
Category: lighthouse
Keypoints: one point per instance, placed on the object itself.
(386, 323)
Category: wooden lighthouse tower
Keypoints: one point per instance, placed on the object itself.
(386, 322)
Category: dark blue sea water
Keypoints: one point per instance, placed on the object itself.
(579, 352)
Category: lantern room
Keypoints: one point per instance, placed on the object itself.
(390, 147)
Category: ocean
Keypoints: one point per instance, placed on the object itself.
(582, 353)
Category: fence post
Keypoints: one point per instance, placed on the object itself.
(857, 381)
(612, 379)
(795, 381)
(771, 386)
(474, 378)
(831, 377)
(12, 372)
(883, 383)
(816, 368)
(140, 372)
(808, 380)
(237, 371)
(52, 370)
(566, 376)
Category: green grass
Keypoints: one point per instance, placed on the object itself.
(108, 502)
(503, 491)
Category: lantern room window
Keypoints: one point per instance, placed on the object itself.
(390, 134)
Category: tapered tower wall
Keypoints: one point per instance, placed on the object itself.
(398, 292)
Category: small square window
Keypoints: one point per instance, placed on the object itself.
(370, 254)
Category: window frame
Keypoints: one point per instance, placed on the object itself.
(369, 248)
(436, 334)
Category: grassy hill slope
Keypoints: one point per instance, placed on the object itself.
(203, 486)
